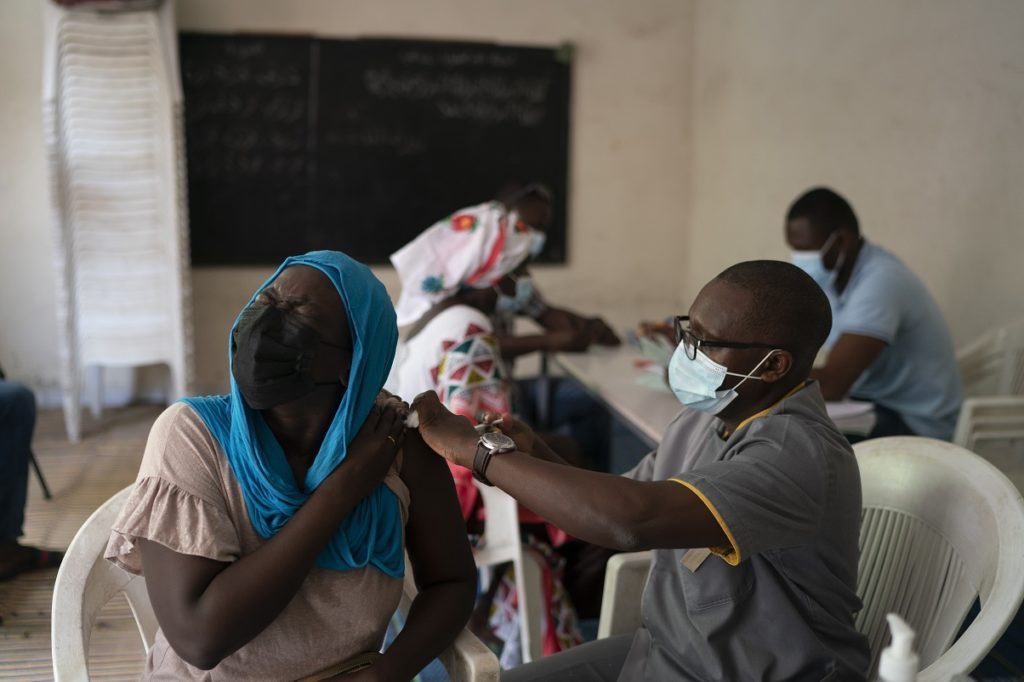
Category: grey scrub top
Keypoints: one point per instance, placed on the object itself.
(778, 603)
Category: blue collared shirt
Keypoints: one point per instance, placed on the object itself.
(916, 375)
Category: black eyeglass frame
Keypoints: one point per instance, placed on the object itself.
(692, 343)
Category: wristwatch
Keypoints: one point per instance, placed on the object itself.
(491, 443)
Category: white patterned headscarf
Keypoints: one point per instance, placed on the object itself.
(474, 247)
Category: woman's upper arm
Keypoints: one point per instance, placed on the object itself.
(436, 533)
(175, 582)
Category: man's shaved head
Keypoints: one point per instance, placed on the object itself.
(825, 210)
(788, 308)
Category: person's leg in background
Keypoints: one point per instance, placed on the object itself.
(585, 566)
(887, 423)
(581, 432)
(574, 413)
(599, 661)
(17, 422)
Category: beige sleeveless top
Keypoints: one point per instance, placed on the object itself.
(187, 498)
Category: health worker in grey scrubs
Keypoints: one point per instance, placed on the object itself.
(751, 502)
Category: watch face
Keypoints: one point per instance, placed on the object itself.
(498, 442)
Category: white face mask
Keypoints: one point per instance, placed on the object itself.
(537, 241)
(813, 263)
(513, 304)
(696, 382)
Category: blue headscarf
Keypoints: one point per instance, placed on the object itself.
(372, 533)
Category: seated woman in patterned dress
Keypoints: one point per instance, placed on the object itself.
(455, 276)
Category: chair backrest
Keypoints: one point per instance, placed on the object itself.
(994, 363)
(625, 578)
(502, 538)
(502, 542)
(990, 418)
(941, 527)
(85, 582)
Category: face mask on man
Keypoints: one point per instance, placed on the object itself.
(813, 262)
(273, 357)
(696, 382)
(513, 304)
(537, 241)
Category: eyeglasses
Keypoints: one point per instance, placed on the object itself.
(691, 342)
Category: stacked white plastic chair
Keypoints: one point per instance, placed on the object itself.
(991, 421)
(112, 105)
(994, 363)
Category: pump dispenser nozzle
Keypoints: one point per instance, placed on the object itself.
(898, 663)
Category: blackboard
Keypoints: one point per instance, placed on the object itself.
(297, 143)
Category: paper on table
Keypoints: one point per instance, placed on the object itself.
(657, 349)
(855, 417)
(839, 409)
(655, 382)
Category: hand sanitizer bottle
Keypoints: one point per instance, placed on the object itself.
(898, 663)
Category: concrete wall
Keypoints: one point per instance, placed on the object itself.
(629, 170)
(914, 110)
(694, 125)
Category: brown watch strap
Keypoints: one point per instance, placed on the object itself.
(481, 459)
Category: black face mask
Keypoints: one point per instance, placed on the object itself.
(273, 357)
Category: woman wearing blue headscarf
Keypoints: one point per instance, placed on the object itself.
(271, 522)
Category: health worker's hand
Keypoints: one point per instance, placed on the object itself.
(449, 435)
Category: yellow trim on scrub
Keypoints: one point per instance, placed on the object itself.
(730, 554)
(764, 411)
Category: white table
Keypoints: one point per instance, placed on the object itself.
(611, 376)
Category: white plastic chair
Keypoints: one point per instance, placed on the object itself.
(993, 427)
(994, 364)
(624, 581)
(86, 581)
(113, 125)
(941, 527)
(502, 543)
(990, 418)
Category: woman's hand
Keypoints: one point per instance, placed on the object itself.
(449, 435)
(388, 399)
(567, 340)
(374, 448)
(602, 334)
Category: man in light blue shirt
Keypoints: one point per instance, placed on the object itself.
(889, 342)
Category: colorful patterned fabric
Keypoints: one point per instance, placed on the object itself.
(456, 355)
(559, 626)
(469, 377)
(475, 246)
